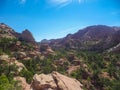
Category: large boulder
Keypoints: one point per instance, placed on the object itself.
(55, 81)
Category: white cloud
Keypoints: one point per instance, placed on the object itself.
(22, 1)
(79, 1)
(63, 3)
(60, 1)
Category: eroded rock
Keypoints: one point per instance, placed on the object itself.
(55, 81)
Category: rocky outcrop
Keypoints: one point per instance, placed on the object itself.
(55, 81)
(6, 31)
(27, 36)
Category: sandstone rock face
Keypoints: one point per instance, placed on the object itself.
(55, 81)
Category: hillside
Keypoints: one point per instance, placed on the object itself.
(93, 38)
(75, 62)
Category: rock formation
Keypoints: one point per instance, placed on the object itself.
(55, 81)
(27, 36)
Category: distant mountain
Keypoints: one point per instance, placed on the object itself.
(93, 38)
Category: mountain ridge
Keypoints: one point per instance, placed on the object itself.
(89, 38)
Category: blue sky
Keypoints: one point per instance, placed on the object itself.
(49, 19)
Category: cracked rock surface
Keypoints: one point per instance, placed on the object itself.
(55, 81)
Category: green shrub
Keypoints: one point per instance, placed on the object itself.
(27, 74)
